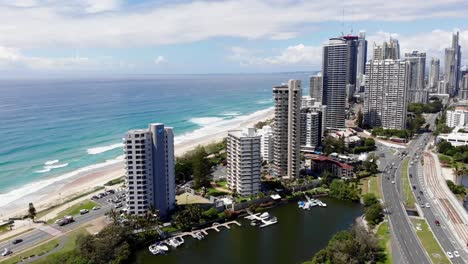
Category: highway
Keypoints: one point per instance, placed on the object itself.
(407, 242)
(46, 232)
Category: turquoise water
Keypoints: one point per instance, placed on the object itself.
(52, 127)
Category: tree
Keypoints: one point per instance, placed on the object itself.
(374, 214)
(201, 168)
(359, 118)
(31, 211)
(369, 199)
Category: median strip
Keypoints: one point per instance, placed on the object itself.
(428, 241)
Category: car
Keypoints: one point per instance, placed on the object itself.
(96, 207)
(422, 205)
(414, 187)
(421, 192)
(118, 205)
(411, 175)
(94, 197)
(16, 241)
(455, 253)
(437, 222)
(449, 254)
(84, 211)
(427, 205)
(393, 182)
(7, 252)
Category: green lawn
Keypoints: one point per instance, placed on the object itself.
(74, 210)
(39, 250)
(383, 234)
(409, 196)
(430, 243)
(371, 185)
(222, 184)
(70, 245)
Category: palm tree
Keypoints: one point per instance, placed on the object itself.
(32, 211)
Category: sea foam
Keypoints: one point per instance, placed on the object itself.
(203, 121)
(18, 193)
(48, 168)
(50, 162)
(99, 150)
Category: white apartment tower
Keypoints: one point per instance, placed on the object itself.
(286, 157)
(457, 118)
(267, 143)
(244, 161)
(386, 93)
(434, 74)
(316, 87)
(149, 164)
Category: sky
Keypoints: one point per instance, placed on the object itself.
(113, 37)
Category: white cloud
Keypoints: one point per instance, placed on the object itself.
(83, 23)
(160, 60)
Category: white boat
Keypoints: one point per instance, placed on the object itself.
(180, 241)
(162, 246)
(269, 221)
(199, 235)
(155, 250)
(264, 215)
(173, 243)
(323, 204)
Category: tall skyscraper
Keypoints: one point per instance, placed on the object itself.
(464, 87)
(244, 161)
(388, 50)
(452, 65)
(316, 88)
(434, 74)
(361, 59)
(287, 129)
(149, 164)
(417, 93)
(386, 88)
(339, 73)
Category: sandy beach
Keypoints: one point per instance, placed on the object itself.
(63, 190)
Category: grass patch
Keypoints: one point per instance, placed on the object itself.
(409, 197)
(383, 234)
(4, 229)
(74, 210)
(429, 243)
(37, 251)
(115, 181)
(16, 235)
(222, 184)
(169, 229)
(371, 184)
(69, 246)
(448, 161)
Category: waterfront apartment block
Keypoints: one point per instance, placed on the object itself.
(316, 87)
(267, 143)
(149, 165)
(339, 74)
(244, 161)
(286, 132)
(417, 92)
(386, 91)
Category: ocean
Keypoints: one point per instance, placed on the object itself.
(54, 129)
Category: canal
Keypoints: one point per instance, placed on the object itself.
(296, 237)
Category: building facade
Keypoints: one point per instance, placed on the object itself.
(361, 59)
(464, 87)
(417, 91)
(316, 87)
(387, 51)
(267, 143)
(311, 129)
(149, 164)
(457, 118)
(434, 74)
(452, 65)
(286, 131)
(386, 93)
(339, 73)
(244, 161)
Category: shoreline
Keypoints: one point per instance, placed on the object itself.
(60, 190)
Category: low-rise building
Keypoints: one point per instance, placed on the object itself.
(337, 168)
(457, 117)
(455, 138)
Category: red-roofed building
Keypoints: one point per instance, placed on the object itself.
(338, 169)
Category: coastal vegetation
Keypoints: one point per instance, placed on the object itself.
(344, 190)
(32, 211)
(373, 209)
(355, 245)
(456, 189)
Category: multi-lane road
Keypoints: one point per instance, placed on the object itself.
(46, 232)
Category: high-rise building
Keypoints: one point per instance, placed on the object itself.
(417, 93)
(311, 129)
(434, 74)
(457, 117)
(307, 101)
(442, 87)
(267, 143)
(386, 89)
(149, 164)
(339, 74)
(452, 65)
(286, 131)
(361, 59)
(244, 161)
(316, 88)
(388, 50)
(464, 87)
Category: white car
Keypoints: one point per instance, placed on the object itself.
(84, 211)
(96, 208)
(449, 255)
(393, 182)
(7, 252)
(427, 205)
(455, 253)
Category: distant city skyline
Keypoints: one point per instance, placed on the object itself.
(176, 37)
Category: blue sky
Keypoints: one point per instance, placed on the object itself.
(105, 37)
